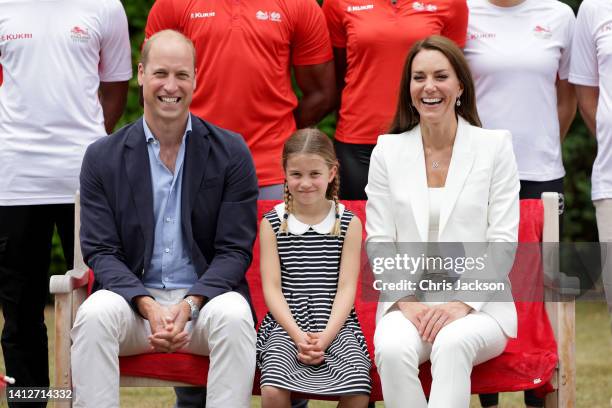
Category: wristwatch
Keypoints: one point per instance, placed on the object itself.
(195, 310)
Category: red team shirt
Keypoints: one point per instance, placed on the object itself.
(377, 36)
(244, 53)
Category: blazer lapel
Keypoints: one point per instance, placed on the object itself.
(416, 182)
(197, 148)
(139, 178)
(461, 163)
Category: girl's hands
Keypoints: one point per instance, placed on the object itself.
(321, 340)
(312, 346)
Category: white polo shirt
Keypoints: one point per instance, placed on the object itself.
(592, 66)
(515, 54)
(54, 54)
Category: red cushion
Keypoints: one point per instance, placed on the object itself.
(187, 368)
(528, 361)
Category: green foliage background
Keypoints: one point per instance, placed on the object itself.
(578, 149)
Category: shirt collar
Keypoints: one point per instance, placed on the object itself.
(149, 135)
(297, 227)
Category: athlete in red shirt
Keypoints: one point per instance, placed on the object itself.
(371, 39)
(245, 51)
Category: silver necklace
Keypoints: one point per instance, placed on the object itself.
(435, 164)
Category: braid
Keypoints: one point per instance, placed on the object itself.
(333, 190)
(287, 197)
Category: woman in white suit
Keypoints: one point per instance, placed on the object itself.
(439, 177)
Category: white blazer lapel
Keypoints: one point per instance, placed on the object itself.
(416, 180)
(460, 166)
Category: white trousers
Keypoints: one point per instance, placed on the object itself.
(106, 328)
(603, 213)
(399, 350)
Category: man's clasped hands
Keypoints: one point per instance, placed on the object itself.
(167, 323)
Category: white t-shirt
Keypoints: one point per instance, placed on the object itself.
(592, 66)
(54, 54)
(515, 54)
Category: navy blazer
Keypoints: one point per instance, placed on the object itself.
(218, 203)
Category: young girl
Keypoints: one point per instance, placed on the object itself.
(310, 340)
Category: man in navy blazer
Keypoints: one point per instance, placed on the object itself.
(168, 221)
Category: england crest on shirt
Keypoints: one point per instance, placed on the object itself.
(542, 32)
(80, 34)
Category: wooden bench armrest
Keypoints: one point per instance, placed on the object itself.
(560, 306)
(73, 279)
(70, 291)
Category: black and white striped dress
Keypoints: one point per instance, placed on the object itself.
(310, 264)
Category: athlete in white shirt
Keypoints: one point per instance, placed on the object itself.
(591, 71)
(519, 54)
(65, 66)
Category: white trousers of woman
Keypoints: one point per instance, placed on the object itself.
(399, 350)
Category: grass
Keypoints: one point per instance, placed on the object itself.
(593, 368)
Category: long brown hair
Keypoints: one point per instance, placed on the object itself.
(312, 141)
(406, 115)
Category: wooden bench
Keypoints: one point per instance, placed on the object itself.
(518, 369)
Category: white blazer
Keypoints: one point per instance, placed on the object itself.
(481, 197)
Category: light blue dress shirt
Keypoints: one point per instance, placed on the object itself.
(171, 266)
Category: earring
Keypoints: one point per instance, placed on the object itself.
(458, 103)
